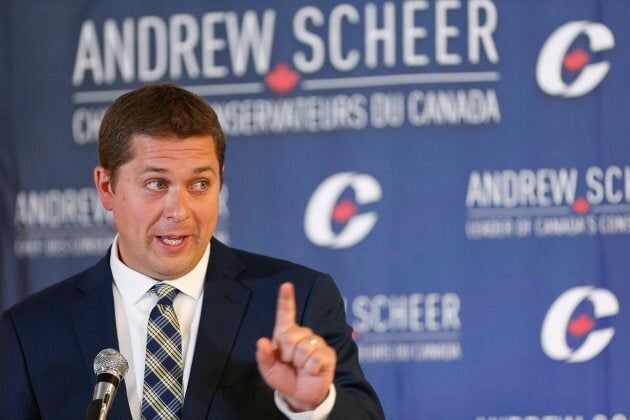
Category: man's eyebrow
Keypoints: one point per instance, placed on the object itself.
(153, 169)
(202, 169)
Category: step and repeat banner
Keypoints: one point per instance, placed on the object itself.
(461, 168)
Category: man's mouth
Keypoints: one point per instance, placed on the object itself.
(172, 240)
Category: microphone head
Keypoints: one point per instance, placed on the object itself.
(111, 361)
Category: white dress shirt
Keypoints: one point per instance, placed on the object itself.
(133, 305)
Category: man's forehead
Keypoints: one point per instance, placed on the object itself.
(144, 146)
(161, 155)
(165, 169)
(169, 139)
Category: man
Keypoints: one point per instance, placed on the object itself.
(190, 315)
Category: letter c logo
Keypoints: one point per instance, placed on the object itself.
(318, 217)
(556, 324)
(550, 60)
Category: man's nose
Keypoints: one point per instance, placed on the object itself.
(176, 206)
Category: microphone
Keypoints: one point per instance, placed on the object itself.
(110, 367)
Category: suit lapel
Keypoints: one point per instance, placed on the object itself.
(94, 322)
(224, 304)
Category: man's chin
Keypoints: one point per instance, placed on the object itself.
(171, 270)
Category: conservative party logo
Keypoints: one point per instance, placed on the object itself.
(570, 330)
(332, 217)
(565, 68)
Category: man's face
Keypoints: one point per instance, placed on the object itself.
(165, 203)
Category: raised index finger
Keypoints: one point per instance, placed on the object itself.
(285, 310)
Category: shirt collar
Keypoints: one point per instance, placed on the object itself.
(133, 285)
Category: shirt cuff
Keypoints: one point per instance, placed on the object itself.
(321, 412)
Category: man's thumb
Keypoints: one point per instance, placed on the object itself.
(265, 356)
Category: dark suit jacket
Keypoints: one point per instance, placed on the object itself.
(49, 341)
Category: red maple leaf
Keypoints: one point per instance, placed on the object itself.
(282, 79)
(344, 211)
(580, 206)
(581, 325)
(576, 59)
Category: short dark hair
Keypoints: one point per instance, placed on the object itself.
(160, 110)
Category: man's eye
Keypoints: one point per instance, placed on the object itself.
(156, 185)
(201, 185)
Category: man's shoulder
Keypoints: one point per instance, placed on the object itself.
(263, 275)
(266, 261)
(267, 265)
(58, 296)
(258, 270)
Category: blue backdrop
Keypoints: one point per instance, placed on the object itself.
(460, 167)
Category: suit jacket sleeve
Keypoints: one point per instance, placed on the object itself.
(16, 398)
(325, 314)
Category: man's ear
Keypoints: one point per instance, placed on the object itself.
(104, 187)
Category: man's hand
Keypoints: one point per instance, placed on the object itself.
(295, 362)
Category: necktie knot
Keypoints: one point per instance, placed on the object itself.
(165, 293)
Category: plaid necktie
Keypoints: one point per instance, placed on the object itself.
(163, 369)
